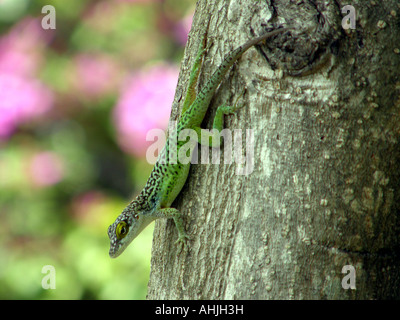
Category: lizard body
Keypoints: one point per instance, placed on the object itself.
(167, 179)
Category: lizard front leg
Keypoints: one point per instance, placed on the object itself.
(177, 216)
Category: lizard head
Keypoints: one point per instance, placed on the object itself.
(125, 228)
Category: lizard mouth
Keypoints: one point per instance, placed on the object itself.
(114, 253)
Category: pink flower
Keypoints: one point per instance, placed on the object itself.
(182, 29)
(86, 206)
(21, 49)
(46, 169)
(22, 97)
(21, 100)
(96, 75)
(145, 104)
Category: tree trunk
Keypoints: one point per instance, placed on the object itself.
(324, 106)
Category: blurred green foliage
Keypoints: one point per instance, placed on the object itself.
(64, 176)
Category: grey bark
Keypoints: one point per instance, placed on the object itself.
(324, 192)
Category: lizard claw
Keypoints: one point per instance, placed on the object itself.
(182, 240)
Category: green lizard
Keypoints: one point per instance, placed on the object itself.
(167, 179)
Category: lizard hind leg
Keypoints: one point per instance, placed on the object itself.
(225, 110)
(214, 138)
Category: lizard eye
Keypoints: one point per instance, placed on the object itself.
(122, 230)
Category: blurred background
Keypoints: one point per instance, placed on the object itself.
(76, 104)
